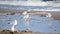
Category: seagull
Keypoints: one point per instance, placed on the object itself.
(49, 17)
(14, 23)
(26, 19)
(25, 15)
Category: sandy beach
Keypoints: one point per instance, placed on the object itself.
(25, 32)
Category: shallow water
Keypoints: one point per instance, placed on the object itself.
(36, 23)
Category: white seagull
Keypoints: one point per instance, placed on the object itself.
(26, 20)
(14, 23)
(49, 17)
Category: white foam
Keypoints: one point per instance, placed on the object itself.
(46, 9)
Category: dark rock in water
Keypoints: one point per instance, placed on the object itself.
(8, 23)
(7, 14)
(12, 13)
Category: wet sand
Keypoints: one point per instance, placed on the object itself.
(55, 14)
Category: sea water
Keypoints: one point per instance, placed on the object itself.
(36, 23)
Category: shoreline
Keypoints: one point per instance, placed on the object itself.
(25, 32)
